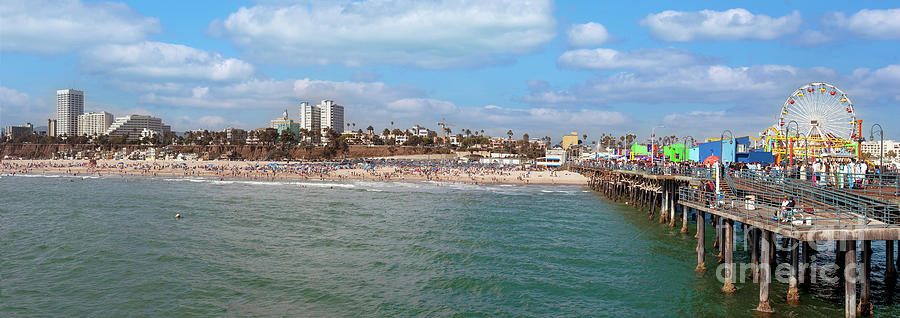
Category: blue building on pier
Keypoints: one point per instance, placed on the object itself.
(733, 150)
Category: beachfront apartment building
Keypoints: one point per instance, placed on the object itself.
(874, 147)
(94, 124)
(133, 127)
(331, 116)
(69, 104)
(18, 131)
(422, 132)
(310, 117)
(326, 115)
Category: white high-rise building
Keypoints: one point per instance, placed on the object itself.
(69, 104)
(310, 117)
(136, 126)
(94, 124)
(332, 116)
(326, 115)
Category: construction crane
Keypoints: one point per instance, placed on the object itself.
(444, 124)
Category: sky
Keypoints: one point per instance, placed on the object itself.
(539, 67)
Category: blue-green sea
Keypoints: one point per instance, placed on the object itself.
(111, 247)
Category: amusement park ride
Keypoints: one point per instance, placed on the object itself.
(817, 120)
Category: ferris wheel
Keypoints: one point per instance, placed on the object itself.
(821, 111)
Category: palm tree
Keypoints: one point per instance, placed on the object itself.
(509, 133)
(385, 132)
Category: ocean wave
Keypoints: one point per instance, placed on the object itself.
(38, 175)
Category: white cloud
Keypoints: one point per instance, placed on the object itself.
(871, 24)
(48, 26)
(497, 120)
(164, 60)
(745, 99)
(701, 123)
(875, 86)
(605, 59)
(812, 38)
(709, 25)
(415, 107)
(11, 98)
(273, 94)
(439, 34)
(17, 107)
(699, 84)
(588, 34)
(206, 122)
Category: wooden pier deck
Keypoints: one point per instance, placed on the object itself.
(843, 216)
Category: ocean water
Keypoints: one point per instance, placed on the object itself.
(111, 247)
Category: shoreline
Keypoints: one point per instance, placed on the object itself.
(256, 171)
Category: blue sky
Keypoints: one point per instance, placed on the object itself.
(541, 67)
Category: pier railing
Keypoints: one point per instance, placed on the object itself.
(797, 218)
(884, 186)
(685, 171)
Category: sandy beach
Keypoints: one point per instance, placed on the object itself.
(271, 170)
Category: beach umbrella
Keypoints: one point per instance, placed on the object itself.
(710, 160)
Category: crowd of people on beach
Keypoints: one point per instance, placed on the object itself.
(375, 170)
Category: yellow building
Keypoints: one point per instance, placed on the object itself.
(570, 140)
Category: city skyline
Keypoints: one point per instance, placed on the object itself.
(541, 67)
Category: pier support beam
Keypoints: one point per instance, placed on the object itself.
(849, 278)
(715, 222)
(765, 273)
(720, 237)
(890, 271)
(806, 260)
(897, 265)
(701, 242)
(672, 204)
(696, 235)
(664, 212)
(754, 254)
(684, 219)
(865, 305)
(728, 288)
(793, 295)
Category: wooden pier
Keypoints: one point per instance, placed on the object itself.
(673, 198)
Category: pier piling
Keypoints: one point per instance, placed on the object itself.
(765, 273)
(754, 254)
(701, 242)
(729, 288)
(865, 280)
(793, 295)
(889, 271)
(849, 270)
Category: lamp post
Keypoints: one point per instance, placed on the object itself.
(787, 132)
(881, 135)
(722, 145)
(805, 146)
(686, 152)
(653, 143)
